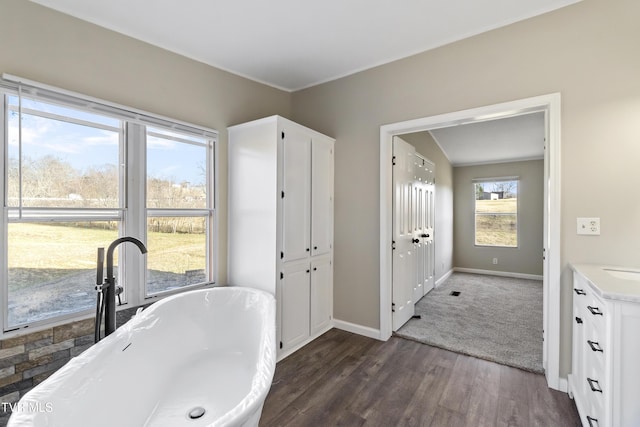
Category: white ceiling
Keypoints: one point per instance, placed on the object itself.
(294, 44)
(495, 141)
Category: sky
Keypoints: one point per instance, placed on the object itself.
(85, 147)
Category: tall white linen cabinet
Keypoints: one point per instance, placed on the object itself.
(280, 232)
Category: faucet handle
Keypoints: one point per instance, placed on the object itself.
(118, 292)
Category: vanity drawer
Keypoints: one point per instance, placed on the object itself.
(594, 417)
(594, 346)
(595, 315)
(605, 376)
(596, 387)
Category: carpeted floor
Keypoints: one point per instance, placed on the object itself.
(494, 318)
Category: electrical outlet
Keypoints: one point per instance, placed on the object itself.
(495, 261)
(589, 226)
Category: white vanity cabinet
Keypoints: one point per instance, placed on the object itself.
(605, 373)
(280, 233)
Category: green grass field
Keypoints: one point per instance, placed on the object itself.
(42, 252)
(497, 206)
(497, 230)
(52, 267)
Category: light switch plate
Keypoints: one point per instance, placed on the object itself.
(589, 226)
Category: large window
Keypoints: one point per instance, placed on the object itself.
(496, 212)
(177, 210)
(79, 173)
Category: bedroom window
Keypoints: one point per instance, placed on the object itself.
(79, 173)
(496, 212)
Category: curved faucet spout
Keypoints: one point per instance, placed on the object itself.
(110, 293)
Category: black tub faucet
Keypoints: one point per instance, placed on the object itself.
(110, 283)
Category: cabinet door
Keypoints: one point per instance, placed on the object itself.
(322, 196)
(294, 304)
(624, 361)
(296, 215)
(321, 294)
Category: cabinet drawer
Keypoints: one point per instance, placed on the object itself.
(595, 315)
(596, 389)
(593, 417)
(594, 348)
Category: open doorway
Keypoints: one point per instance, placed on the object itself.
(491, 305)
(550, 106)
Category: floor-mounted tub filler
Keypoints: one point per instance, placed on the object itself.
(201, 358)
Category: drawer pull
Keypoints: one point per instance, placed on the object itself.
(580, 291)
(595, 385)
(595, 346)
(593, 422)
(578, 320)
(594, 310)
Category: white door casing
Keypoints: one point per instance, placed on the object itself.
(549, 104)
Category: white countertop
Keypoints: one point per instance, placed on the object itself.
(606, 281)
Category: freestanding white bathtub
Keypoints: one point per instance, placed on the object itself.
(210, 350)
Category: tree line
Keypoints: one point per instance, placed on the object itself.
(51, 182)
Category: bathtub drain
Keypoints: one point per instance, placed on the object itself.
(196, 412)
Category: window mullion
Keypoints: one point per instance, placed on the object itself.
(135, 212)
(4, 268)
(212, 204)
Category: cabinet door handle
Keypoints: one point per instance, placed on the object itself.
(595, 385)
(315, 248)
(579, 291)
(595, 311)
(578, 320)
(593, 422)
(595, 346)
(416, 240)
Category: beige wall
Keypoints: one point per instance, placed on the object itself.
(527, 257)
(588, 52)
(46, 46)
(443, 230)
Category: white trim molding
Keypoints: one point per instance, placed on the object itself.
(444, 277)
(550, 105)
(498, 273)
(356, 329)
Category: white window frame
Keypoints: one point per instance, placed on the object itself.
(131, 213)
(208, 212)
(477, 181)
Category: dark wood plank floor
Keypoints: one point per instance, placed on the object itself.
(343, 379)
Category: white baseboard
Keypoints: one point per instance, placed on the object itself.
(290, 351)
(357, 329)
(444, 277)
(498, 273)
(563, 385)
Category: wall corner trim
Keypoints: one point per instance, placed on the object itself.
(357, 329)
